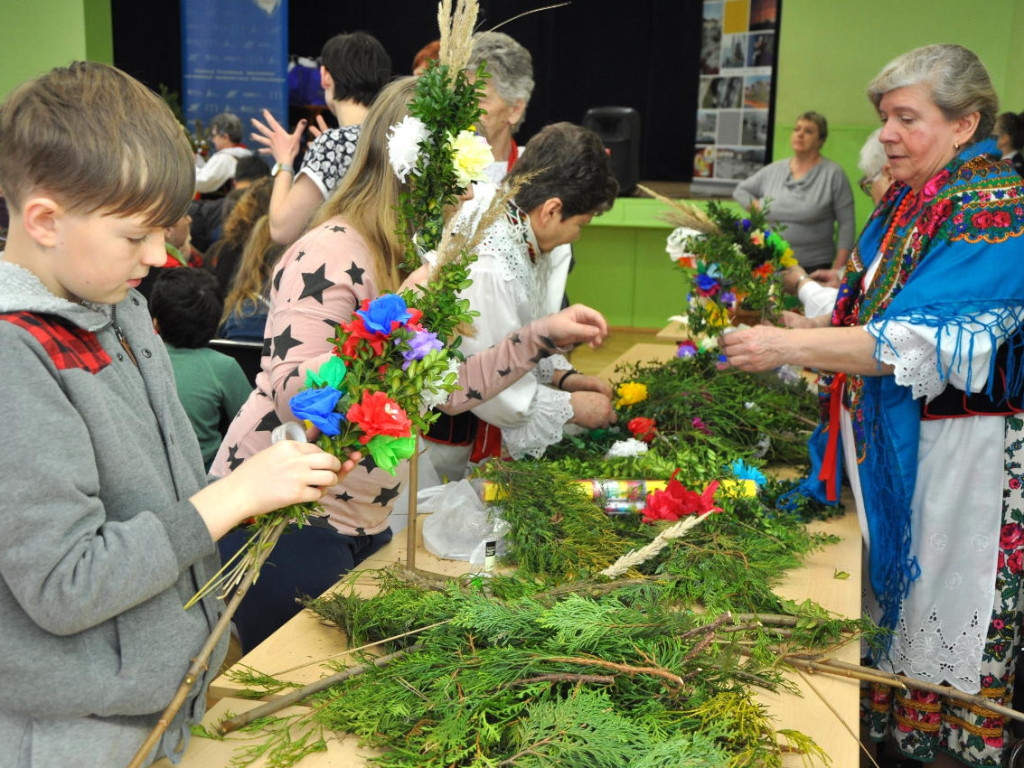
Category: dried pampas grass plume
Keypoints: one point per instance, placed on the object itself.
(682, 214)
(457, 31)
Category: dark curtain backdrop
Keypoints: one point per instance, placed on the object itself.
(640, 53)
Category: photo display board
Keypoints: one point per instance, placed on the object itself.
(734, 100)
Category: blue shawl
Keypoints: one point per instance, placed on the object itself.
(949, 253)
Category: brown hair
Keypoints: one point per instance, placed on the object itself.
(252, 204)
(255, 269)
(368, 194)
(95, 139)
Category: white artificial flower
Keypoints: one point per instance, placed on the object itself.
(404, 145)
(432, 395)
(677, 246)
(626, 449)
(471, 154)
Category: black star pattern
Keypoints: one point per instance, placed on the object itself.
(343, 496)
(472, 394)
(504, 371)
(315, 283)
(266, 348)
(283, 342)
(299, 256)
(337, 228)
(269, 423)
(540, 356)
(515, 339)
(289, 377)
(233, 461)
(277, 279)
(548, 342)
(355, 273)
(386, 495)
(368, 463)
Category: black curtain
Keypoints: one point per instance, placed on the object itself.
(591, 53)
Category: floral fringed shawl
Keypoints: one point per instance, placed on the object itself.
(950, 254)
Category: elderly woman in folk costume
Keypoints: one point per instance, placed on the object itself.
(927, 336)
(350, 254)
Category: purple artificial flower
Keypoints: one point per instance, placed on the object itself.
(686, 349)
(728, 298)
(746, 225)
(382, 313)
(420, 345)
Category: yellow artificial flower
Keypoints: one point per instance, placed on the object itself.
(471, 154)
(718, 316)
(757, 237)
(788, 259)
(630, 393)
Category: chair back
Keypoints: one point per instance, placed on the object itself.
(247, 353)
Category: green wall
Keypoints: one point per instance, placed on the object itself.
(830, 49)
(37, 35)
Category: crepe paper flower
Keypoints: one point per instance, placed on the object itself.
(700, 426)
(421, 344)
(686, 349)
(706, 285)
(787, 259)
(728, 298)
(757, 237)
(743, 471)
(432, 395)
(388, 452)
(384, 314)
(745, 223)
(708, 343)
(643, 428)
(713, 270)
(404, 140)
(377, 414)
(765, 271)
(739, 489)
(626, 449)
(630, 393)
(331, 374)
(317, 407)
(718, 316)
(678, 501)
(471, 154)
(357, 332)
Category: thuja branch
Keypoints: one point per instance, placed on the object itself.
(201, 661)
(238, 721)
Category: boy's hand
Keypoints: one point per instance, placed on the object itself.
(287, 472)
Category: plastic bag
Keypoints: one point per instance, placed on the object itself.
(457, 523)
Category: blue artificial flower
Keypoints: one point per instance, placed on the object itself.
(706, 285)
(317, 406)
(381, 313)
(420, 345)
(743, 471)
(746, 225)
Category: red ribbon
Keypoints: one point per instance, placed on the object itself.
(828, 474)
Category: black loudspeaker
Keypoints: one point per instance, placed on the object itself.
(619, 129)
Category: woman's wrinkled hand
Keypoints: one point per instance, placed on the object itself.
(592, 410)
(760, 348)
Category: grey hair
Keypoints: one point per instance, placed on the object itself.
(228, 124)
(819, 120)
(872, 156)
(958, 81)
(508, 63)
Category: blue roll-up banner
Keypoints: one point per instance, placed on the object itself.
(235, 59)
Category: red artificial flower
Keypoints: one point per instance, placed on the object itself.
(643, 428)
(677, 501)
(377, 414)
(413, 323)
(764, 272)
(357, 331)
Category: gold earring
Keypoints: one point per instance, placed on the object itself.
(956, 145)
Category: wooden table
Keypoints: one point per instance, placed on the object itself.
(297, 651)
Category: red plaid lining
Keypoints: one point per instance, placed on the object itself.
(67, 345)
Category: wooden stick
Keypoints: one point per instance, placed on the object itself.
(414, 482)
(200, 662)
(294, 697)
(844, 669)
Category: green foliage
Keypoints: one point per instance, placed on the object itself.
(447, 103)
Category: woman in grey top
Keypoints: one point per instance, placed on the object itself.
(809, 195)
